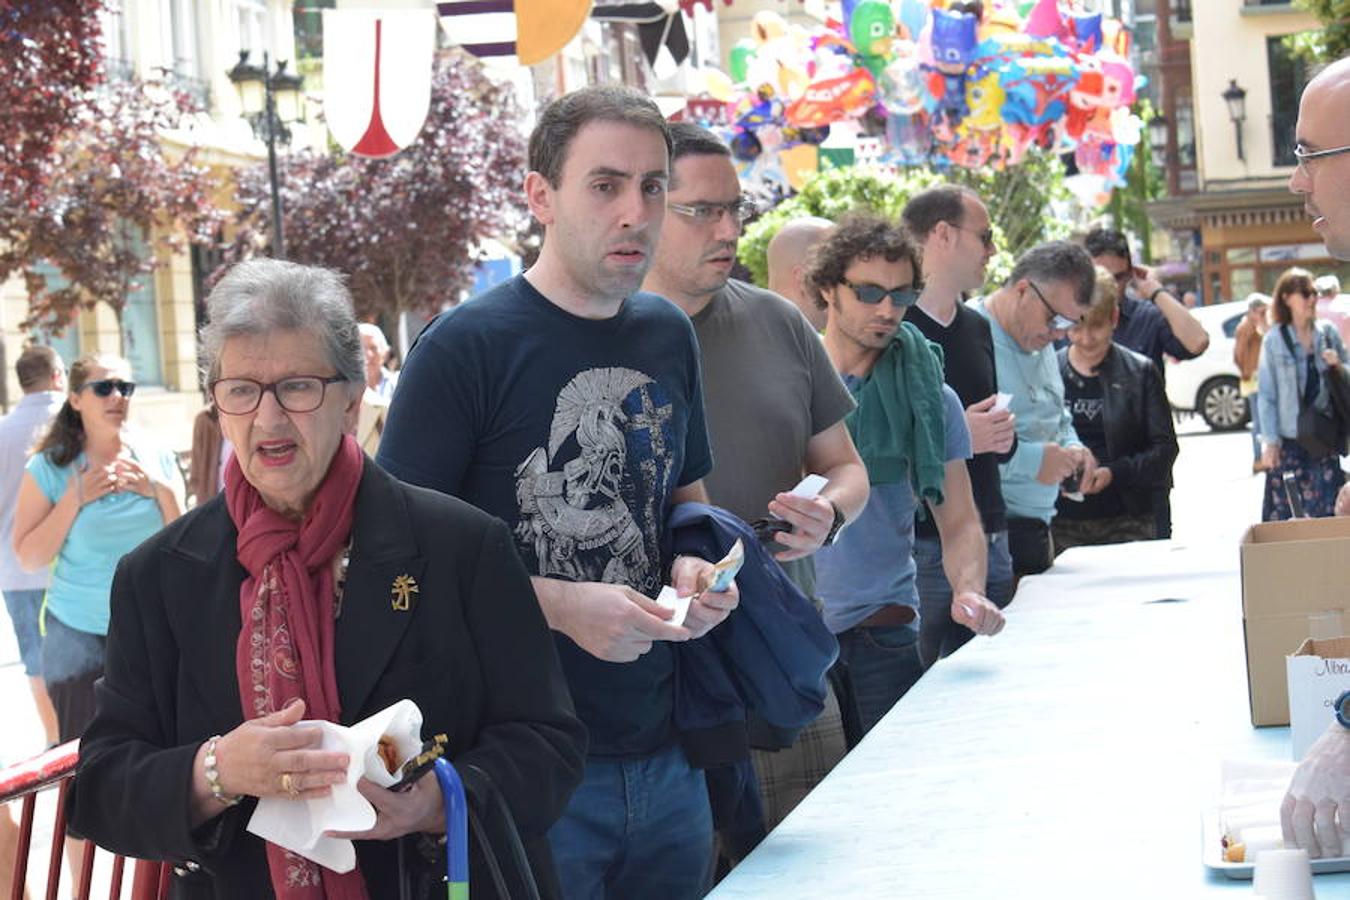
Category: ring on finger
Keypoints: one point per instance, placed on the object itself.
(288, 784)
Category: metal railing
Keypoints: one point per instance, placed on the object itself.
(55, 769)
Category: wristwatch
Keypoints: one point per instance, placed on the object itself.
(1342, 708)
(838, 525)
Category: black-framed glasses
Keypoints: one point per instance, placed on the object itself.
(105, 386)
(986, 237)
(297, 394)
(1304, 155)
(872, 294)
(1056, 321)
(740, 210)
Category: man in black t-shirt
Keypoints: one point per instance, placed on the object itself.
(568, 403)
(951, 225)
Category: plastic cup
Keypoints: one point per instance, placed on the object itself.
(1283, 875)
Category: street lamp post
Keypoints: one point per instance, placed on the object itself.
(270, 100)
(1236, 98)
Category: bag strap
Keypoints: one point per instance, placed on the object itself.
(1304, 400)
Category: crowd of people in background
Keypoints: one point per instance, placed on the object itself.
(590, 431)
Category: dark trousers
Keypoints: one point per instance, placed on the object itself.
(1031, 546)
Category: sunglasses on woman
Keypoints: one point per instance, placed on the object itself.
(105, 386)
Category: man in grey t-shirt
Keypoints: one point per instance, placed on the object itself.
(774, 406)
(42, 376)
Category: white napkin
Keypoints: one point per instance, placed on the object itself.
(299, 825)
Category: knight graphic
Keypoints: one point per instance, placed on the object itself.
(575, 519)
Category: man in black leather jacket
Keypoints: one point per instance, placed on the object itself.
(1121, 414)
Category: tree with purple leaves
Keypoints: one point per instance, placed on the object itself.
(90, 182)
(405, 229)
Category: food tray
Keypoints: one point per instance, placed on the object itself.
(1212, 853)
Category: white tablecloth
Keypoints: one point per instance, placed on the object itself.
(1071, 756)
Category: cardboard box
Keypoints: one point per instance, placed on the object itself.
(1318, 673)
(1291, 571)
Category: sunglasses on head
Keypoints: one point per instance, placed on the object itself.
(105, 386)
(872, 294)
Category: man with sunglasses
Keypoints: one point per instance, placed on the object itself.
(1152, 321)
(1049, 289)
(910, 430)
(1317, 793)
(953, 229)
(775, 411)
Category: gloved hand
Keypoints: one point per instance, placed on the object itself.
(1319, 795)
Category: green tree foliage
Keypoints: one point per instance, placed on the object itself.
(1332, 40)
(1018, 198)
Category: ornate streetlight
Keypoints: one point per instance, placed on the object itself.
(271, 101)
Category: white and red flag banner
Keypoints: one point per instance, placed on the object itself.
(377, 77)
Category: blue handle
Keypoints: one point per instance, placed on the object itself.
(456, 830)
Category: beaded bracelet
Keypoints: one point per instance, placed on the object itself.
(213, 774)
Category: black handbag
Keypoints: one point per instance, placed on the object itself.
(1321, 432)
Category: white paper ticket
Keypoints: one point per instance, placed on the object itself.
(810, 487)
(1001, 401)
(670, 599)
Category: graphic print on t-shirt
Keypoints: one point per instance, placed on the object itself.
(591, 502)
(1088, 408)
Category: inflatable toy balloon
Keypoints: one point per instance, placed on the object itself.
(745, 146)
(872, 27)
(984, 102)
(1118, 75)
(1043, 19)
(739, 59)
(953, 38)
(900, 88)
(833, 100)
(1085, 32)
(914, 17)
(717, 85)
(768, 25)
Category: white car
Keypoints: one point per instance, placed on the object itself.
(1208, 384)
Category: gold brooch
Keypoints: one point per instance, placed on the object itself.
(401, 592)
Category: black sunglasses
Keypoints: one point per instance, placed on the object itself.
(986, 237)
(872, 294)
(105, 386)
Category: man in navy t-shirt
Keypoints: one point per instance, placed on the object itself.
(569, 404)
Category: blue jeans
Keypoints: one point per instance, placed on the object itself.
(1252, 407)
(883, 664)
(939, 636)
(24, 607)
(636, 828)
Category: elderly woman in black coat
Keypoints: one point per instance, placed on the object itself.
(315, 586)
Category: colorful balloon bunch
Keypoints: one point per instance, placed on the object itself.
(967, 83)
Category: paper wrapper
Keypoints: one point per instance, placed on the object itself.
(299, 825)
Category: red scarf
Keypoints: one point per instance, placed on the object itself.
(286, 643)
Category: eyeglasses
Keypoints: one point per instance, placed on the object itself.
(105, 386)
(1056, 321)
(986, 237)
(741, 210)
(298, 394)
(1304, 155)
(872, 294)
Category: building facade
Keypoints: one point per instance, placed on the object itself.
(1243, 100)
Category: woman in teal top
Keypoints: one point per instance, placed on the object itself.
(87, 498)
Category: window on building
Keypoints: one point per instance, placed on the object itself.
(1288, 76)
(1185, 122)
(181, 49)
(251, 20)
(116, 44)
(308, 16)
